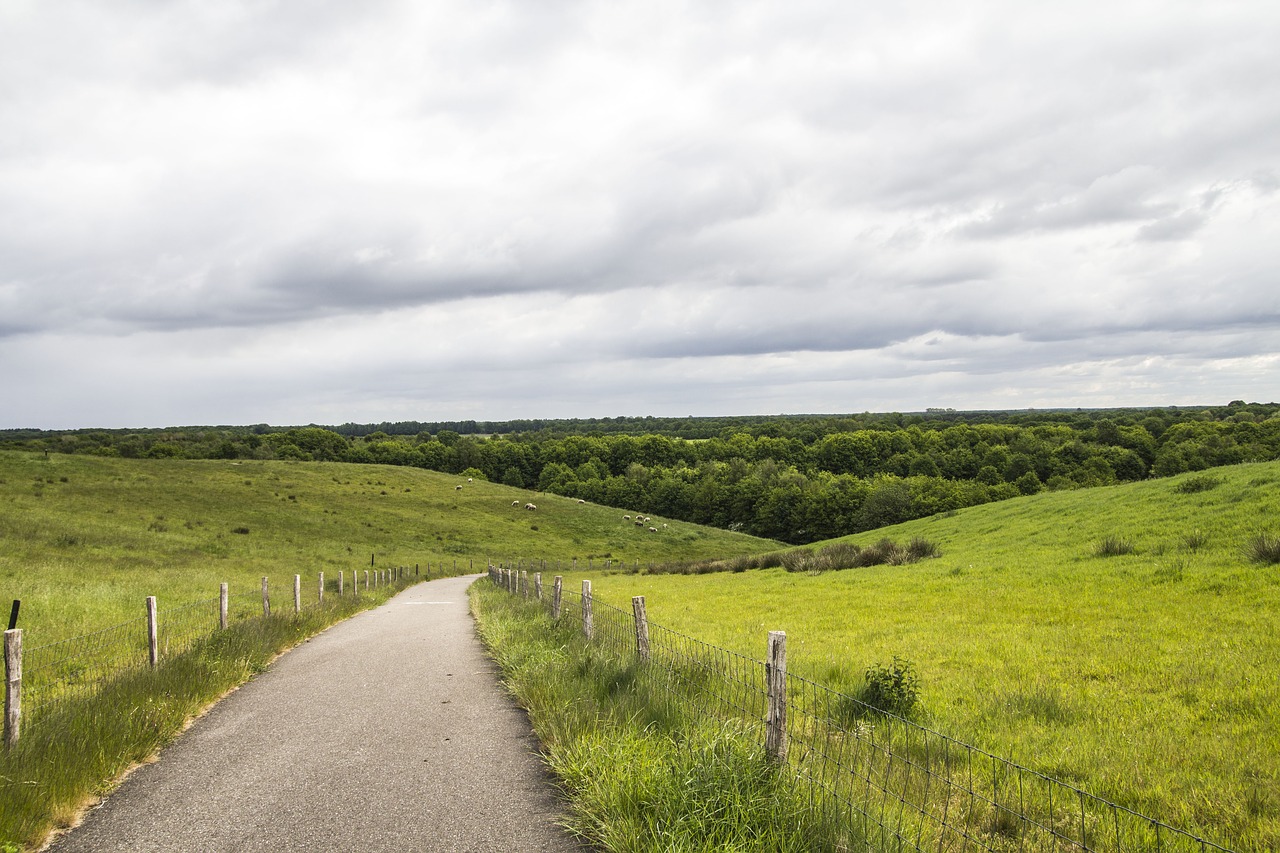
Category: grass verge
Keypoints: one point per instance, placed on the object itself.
(64, 755)
(642, 770)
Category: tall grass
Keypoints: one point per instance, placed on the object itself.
(642, 770)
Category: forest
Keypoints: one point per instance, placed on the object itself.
(794, 478)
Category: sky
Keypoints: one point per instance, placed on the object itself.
(246, 211)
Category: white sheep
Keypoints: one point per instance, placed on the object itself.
(515, 503)
(530, 507)
(664, 525)
(626, 518)
(457, 488)
(653, 530)
(581, 501)
(468, 479)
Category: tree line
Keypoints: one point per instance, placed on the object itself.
(797, 479)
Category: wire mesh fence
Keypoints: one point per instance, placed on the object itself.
(57, 673)
(896, 785)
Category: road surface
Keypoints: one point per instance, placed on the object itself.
(387, 732)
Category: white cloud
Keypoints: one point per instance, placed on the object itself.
(578, 208)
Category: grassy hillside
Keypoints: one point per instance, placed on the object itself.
(1152, 677)
(84, 539)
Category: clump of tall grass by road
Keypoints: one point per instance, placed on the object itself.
(641, 769)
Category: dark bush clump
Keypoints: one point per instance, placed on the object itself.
(1113, 546)
(891, 689)
(1198, 483)
(1264, 549)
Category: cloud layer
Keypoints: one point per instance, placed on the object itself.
(245, 212)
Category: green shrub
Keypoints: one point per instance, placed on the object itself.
(1113, 546)
(1198, 483)
(1263, 548)
(891, 689)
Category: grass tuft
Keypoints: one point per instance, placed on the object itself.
(1263, 548)
(1198, 483)
(1113, 546)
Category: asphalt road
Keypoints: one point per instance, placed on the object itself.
(388, 732)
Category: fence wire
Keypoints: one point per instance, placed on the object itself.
(76, 668)
(893, 783)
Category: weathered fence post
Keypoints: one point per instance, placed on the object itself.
(524, 583)
(557, 588)
(153, 633)
(297, 593)
(322, 587)
(775, 676)
(266, 599)
(537, 585)
(588, 621)
(366, 580)
(12, 686)
(342, 576)
(642, 627)
(222, 606)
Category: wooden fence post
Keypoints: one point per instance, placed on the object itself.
(222, 606)
(297, 593)
(642, 627)
(524, 583)
(12, 686)
(537, 585)
(342, 576)
(588, 620)
(153, 633)
(366, 580)
(775, 676)
(266, 599)
(557, 588)
(322, 587)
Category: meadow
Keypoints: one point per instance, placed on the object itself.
(84, 539)
(1122, 639)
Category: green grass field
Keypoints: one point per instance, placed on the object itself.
(83, 540)
(1151, 678)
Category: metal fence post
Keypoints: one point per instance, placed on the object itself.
(153, 632)
(12, 686)
(775, 676)
(588, 621)
(557, 589)
(642, 627)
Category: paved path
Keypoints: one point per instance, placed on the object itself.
(388, 732)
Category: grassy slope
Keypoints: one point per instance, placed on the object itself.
(1151, 678)
(84, 539)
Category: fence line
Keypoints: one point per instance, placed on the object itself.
(896, 784)
(39, 678)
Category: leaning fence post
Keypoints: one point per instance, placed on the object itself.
(222, 606)
(322, 587)
(266, 599)
(775, 676)
(642, 627)
(557, 588)
(537, 585)
(297, 593)
(153, 634)
(588, 621)
(12, 686)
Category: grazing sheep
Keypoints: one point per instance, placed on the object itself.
(639, 523)
(457, 488)
(530, 506)
(468, 479)
(626, 518)
(581, 501)
(653, 530)
(515, 503)
(664, 525)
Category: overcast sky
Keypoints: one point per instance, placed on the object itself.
(318, 212)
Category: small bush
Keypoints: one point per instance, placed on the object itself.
(1198, 483)
(1263, 548)
(920, 548)
(891, 689)
(241, 530)
(1113, 546)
